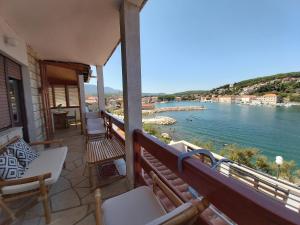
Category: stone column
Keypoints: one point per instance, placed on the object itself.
(82, 101)
(28, 104)
(131, 73)
(100, 88)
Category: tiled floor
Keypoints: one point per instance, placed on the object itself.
(71, 201)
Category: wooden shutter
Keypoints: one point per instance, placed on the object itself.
(13, 70)
(5, 120)
(60, 96)
(73, 95)
(51, 102)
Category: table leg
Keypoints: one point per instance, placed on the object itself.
(91, 176)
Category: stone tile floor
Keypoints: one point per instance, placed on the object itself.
(70, 199)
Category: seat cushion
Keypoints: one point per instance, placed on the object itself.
(136, 207)
(49, 161)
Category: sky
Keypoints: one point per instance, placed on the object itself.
(202, 44)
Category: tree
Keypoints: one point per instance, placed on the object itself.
(287, 170)
(263, 164)
(242, 155)
(209, 145)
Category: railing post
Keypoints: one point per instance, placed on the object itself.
(109, 127)
(137, 162)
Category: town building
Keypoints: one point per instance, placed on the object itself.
(226, 99)
(178, 99)
(244, 99)
(269, 99)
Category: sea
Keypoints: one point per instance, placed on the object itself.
(273, 130)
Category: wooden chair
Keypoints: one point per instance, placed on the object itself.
(35, 181)
(72, 118)
(140, 206)
(95, 129)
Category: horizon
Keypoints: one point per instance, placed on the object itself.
(188, 90)
(204, 45)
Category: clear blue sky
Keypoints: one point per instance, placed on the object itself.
(201, 44)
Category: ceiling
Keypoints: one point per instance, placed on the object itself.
(60, 75)
(84, 31)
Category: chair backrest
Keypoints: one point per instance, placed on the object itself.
(185, 213)
(92, 115)
(95, 124)
(72, 113)
(3, 146)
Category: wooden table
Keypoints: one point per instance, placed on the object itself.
(99, 152)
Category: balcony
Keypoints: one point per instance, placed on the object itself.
(71, 53)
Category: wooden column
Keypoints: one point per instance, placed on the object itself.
(100, 88)
(131, 73)
(81, 102)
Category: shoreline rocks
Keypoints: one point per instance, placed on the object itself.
(160, 120)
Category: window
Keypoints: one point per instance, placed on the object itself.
(60, 96)
(73, 95)
(51, 97)
(66, 95)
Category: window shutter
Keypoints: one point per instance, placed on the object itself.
(73, 96)
(60, 96)
(13, 70)
(51, 97)
(5, 120)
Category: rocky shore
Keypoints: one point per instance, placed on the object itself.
(160, 120)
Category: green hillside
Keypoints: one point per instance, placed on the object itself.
(284, 84)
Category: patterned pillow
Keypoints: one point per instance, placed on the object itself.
(10, 168)
(23, 152)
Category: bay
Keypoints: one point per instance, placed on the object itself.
(273, 130)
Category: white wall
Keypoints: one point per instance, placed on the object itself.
(17, 52)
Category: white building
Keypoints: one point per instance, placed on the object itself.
(269, 99)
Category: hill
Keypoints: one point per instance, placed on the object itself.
(91, 90)
(192, 92)
(284, 84)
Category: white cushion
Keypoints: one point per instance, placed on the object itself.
(170, 215)
(136, 207)
(95, 126)
(49, 161)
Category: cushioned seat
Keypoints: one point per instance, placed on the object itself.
(49, 161)
(136, 207)
(95, 126)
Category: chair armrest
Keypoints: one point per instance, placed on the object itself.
(26, 180)
(98, 211)
(48, 142)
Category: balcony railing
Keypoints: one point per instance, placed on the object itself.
(241, 203)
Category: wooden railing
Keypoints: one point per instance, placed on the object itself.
(115, 127)
(241, 203)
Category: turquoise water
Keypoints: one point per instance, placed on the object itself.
(273, 130)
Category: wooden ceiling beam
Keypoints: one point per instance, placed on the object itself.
(80, 68)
